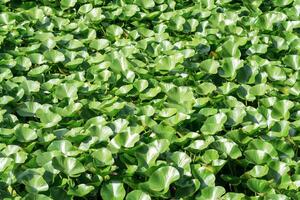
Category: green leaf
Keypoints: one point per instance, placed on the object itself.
(181, 160)
(282, 2)
(213, 124)
(114, 31)
(275, 73)
(85, 8)
(124, 90)
(205, 176)
(70, 166)
(30, 86)
(181, 95)
(80, 190)
(228, 147)
(6, 18)
(36, 197)
(34, 13)
(229, 67)
(4, 163)
(95, 15)
(258, 90)
(161, 179)
(36, 58)
(280, 129)
(165, 63)
(54, 56)
(113, 190)
(209, 156)
(5, 100)
(258, 171)
(141, 84)
(230, 49)
(211, 193)
(38, 70)
(210, 66)
(67, 3)
(99, 44)
(281, 109)
(66, 90)
(63, 146)
(146, 3)
(236, 116)
(137, 195)
(292, 61)
(187, 187)
(48, 118)
(258, 49)
(233, 196)
(148, 154)
(257, 156)
(276, 196)
(36, 183)
(258, 185)
(103, 157)
(25, 134)
(74, 44)
(23, 63)
(126, 140)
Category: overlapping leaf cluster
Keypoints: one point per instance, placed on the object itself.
(149, 99)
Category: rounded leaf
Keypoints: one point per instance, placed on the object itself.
(137, 195)
(54, 56)
(113, 190)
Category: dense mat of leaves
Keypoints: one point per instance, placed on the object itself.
(149, 99)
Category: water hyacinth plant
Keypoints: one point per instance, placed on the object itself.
(149, 99)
